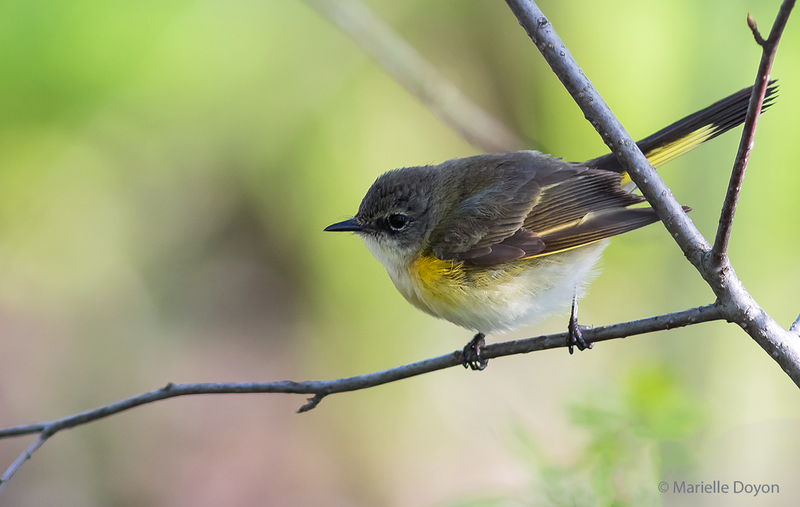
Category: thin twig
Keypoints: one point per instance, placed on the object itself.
(25, 456)
(754, 28)
(770, 47)
(418, 76)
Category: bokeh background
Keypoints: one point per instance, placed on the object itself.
(167, 168)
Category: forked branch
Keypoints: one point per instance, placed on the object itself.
(733, 300)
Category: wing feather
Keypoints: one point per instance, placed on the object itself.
(526, 204)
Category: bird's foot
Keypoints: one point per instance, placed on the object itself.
(471, 355)
(575, 330)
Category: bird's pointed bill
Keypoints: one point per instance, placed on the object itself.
(350, 225)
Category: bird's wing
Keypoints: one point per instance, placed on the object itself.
(587, 207)
(489, 204)
(527, 204)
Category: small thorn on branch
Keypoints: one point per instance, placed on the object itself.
(754, 28)
(312, 403)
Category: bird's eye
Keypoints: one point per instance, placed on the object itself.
(397, 221)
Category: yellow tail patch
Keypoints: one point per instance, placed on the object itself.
(663, 154)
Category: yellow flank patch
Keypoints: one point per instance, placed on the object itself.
(449, 283)
(431, 270)
(442, 281)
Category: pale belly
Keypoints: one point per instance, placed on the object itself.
(502, 298)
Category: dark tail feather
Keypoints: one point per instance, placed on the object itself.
(690, 132)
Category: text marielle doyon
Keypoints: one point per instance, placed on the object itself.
(737, 487)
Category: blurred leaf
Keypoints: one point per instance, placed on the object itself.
(661, 408)
(632, 433)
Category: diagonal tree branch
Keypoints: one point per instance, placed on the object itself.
(323, 388)
(736, 304)
(614, 135)
(795, 327)
(770, 47)
(421, 79)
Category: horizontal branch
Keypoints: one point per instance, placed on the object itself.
(323, 388)
(326, 387)
(665, 322)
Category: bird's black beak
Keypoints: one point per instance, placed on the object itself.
(348, 225)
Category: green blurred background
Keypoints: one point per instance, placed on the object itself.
(167, 168)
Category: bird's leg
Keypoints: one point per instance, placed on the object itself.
(471, 355)
(574, 330)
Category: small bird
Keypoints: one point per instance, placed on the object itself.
(491, 242)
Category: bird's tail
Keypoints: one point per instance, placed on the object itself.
(690, 132)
